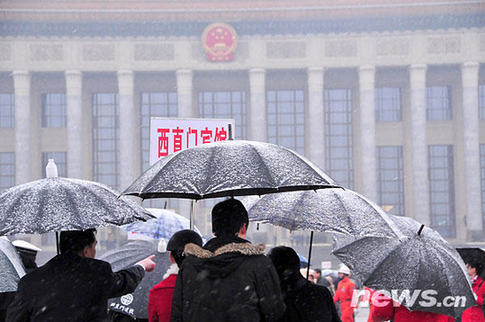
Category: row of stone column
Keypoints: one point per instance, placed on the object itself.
(257, 127)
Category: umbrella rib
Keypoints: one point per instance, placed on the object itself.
(388, 222)
(265, 166)
(105, 205)
(381, 263)
(313, 167)
(172, 156)
(208, 173)
(74, 206)
(343, 206)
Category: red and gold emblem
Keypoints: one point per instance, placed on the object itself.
(220, 42)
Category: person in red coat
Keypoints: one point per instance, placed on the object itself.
(160, 298)
(475, 313)
(344, 293)
(385, 309)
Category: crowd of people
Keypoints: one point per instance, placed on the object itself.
(226, 279)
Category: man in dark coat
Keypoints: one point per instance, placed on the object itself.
(229, 279)
(305, 301)
(73, 286)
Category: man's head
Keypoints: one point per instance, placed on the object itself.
(318, 273)
(474, 268)
(177, 243)
(229, 217)
(81, 242)
(285, 260)
(343, 271)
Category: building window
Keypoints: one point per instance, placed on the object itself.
(438, 103)
(7, 170)
(286, 119)
(156, 104)
(54, 110)
(162, 104)
(338, 136)
(390, 182)
(225, 105)
(388, 104)
(7, 110)
(441, 186)
(481, 101)
(106, 139)
(482, 170)
(60, 158)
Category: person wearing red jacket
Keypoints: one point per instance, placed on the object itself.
(344, 293)
(160, 298)
(385, 309)
(475, 313)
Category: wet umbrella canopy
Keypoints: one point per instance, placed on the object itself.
(331, 210)
(55, 204)
(11, 268)
(229, 168)
(135, 304)
(422, 260)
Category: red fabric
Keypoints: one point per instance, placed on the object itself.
(389, 311)
(160, 300)
(344, 293)
(475, 312)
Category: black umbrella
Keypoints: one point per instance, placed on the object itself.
(55, 204)
(229, 168)
(331, 210)
(421, 261)
(135, 304)
(11, 268)
(473, 254)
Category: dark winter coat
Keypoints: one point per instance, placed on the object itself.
(307, 302)
(230, 280)
(71, 288)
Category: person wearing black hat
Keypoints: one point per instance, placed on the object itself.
(229, 279)
(160, 299)
(305, 301)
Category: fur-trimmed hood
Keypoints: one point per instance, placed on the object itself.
(246, 249)
(223, 261)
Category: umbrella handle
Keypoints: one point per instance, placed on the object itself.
(229, 129)
(420, 230)
(57, 243)
(309, 255)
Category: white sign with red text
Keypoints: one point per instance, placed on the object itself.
(169, 135)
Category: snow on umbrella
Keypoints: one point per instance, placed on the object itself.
(11, 268)
(229, 168)
(421, 261)
(135, 304)
(55, 204)
(330, 210)
(164, 226)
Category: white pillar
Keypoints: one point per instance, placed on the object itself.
(74, 123)
(471, 153)
(314, 118)
(417, 83)
(184, 93)
(128, 126)
(368, 131)
(257, 117)
(23, 159)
